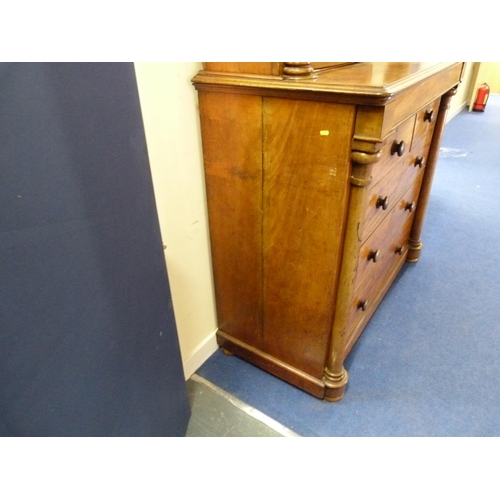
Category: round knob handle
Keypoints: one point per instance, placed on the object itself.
(419, 161)
(410, 206)
(398, 148)
(374, 255)
(382, 202)
(399, 250)
(429, 116)
(363, 305)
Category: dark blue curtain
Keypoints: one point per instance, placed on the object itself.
(88, 344)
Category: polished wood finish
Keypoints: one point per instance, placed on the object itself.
(288, 70)
(306, 157)
(234, 188)
(251, 68)
(318, 176)
(415, 243)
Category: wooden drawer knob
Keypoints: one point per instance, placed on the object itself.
(429, 116)
(419, 161)
(382, 202)
(363, 305)
(374, 255)
(399, 250)
(410, 206)
(398, 148)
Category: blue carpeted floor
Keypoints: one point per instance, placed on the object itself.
(428, 364)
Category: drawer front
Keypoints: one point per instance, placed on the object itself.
(383, 196)
(384, 249)
(417, 159)
(425, 121)
(388, 237)
(396, 148)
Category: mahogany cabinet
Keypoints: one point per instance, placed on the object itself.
(318, 176)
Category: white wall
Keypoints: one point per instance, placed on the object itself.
(170, 113)
(461, 98)
(485, 72)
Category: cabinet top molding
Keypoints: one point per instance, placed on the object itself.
(373, 83)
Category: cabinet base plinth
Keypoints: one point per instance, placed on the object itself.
(331, 388)
(334, 395)
(274, 366)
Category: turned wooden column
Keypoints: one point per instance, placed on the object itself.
(335, 376)
(415, 244)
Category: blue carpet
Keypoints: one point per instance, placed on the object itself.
(427, 363)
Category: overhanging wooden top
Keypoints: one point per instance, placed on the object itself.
(359, 83)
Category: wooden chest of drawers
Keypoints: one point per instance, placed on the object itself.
(318, 177)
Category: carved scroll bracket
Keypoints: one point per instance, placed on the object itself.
(446, 100)
(362, 166)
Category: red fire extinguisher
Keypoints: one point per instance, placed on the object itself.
(482, 96)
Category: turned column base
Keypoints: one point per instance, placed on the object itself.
(335, 385)
(414, 249)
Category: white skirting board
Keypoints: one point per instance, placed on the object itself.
(199, 355)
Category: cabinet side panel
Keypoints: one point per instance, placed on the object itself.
(306, 180)
(232, 148)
